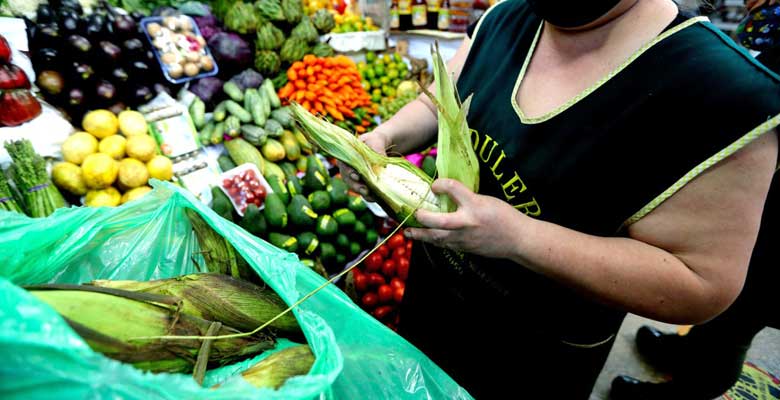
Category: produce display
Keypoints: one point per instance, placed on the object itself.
(378, 284)
(179, 46)
(17, 104)
(331, 87)
(111, 161)
(84, 62)
(28, 170)
(383, 74)
(351, 22)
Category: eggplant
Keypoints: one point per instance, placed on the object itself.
(95, 30)
(120, 77)
(46, 36)
(50, 82)
(76, 97)
(64, 13)
(70, 25)
(105, 92)
(82, 73)
(117, 108)
(140, 71)
(71, 5)
(125, 26)
(134, 49)
(142, 95)
(108, 53)
(79, 47)
(44, 14)
(47, 58)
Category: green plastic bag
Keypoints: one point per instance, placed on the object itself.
(151, 238)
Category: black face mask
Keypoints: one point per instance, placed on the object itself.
(571, 13)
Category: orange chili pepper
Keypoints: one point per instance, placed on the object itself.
(292, 75)
(300, 85)
(297, 65)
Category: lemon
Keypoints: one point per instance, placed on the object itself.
(114, 146)
(133, 194)
(132, 123)
(160, 167)
(68, 176)
(141, 147)
(99, 170)
(100, 123)
(132, 173)
(108, 197)
(78, 146)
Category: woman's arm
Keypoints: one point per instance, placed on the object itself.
(685, 262)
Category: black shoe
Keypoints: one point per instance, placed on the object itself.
(663, 351)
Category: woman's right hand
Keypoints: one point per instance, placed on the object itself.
(377, 141)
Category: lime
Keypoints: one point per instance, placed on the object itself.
(397, 57)
(387, 59)
(379, 70)
(375, 83)
(370, 56)
(392, 74)
(366, 85)
(370, 74)
(385, 80)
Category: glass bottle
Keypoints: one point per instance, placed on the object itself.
(433, 13)
(419, 14)
(395, 22)
(405, 14)
(443, 20)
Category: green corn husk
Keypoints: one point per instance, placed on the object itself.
(456, 158)
(7, 201)
(108, 319)
(218, 297)
(277, 368)
(221, 257)
(401, 185)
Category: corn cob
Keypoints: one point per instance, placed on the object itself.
(277, 368)
(110, 319)
(401, 185)
(221, 257)
(217, 297)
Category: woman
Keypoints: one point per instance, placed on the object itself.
(623, 168)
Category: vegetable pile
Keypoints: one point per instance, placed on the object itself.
(17, 104)
(28, 171)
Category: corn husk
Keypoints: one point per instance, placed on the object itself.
(277, 368)
(216, 297)
(400, 185)
(109, 320)
(221, 257)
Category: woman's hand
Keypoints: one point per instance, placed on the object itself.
(481, 225)
(378, 142)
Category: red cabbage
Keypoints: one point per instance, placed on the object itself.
(248, 79)
(208, 89)
(233, 53)
(208, 26)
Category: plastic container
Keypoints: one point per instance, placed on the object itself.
(244, 185)
(172, 41)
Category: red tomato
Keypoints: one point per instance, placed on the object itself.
(227, 183)
(409, 247)
(382, 312)
(396, 283)
(398, 294)
(383, 250)
(402, 269)
(361, 281)
(374, 262)
(236, 180)
(396, 241)
(376, 280)
(400, 253)
(250, 197)
(385, 293)
(370, 300)
(388, 268)
(251, 174)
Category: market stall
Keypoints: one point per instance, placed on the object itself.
(157, 155)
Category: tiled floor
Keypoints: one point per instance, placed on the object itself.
(624, 359)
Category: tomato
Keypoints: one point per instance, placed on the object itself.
(398, 294)
(400, 253)
(370, 300)
(260, 192)
(376, 280)
(227, 183)
(396, 283)
(385, 293)
(409, 247)
(388, 268)
(383, 250)
(396, 241)
(402, 269)
(361, 281)
(382, 312)
(374, 262)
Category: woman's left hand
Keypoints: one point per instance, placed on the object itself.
(481, 225)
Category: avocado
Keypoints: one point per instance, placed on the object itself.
(277, 186)
(344, 217)
(308, 242)
(338, 192)
(320, 200)
(315, 178)
(253, 221)
(275, 212)
(284, 242)
(356, 204)
(300, 211)
(326, 225)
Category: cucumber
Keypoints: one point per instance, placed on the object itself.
(277, 186)
(198, 113)
(326, 226)
(320, 201)
(308, 243)
(359, 228)
(344, 217)
(338, 191)
(354, 249)
(266, 103)
(294, 186)
(216, 134)
(257, 110)
(367, 218)
(205, 133)
(249, 99)
(371, 237)
(284, 242)
(235, 109)
(233, 91)
(275, 212)
(356, 204)
(300, 212)
(342, 241)
(225, 163)
(253, 221)
(268, 87)
(254, 134)
(220, 112)
(232, 126)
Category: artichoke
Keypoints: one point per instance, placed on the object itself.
(269, 37)
(270, 9)
(305, 31)
(293, 49)
(322, 50)
(267, 62)
(323, 21)
(293, 11)
(242, 18)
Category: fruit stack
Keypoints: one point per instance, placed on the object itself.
(17, 104)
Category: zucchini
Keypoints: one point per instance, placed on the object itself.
(235, 109)
(257, 110)
(249, 99)
(275, 212)
(198, 113)
(220, 112)
(284, 242)
(233, 91)
(242, 152)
